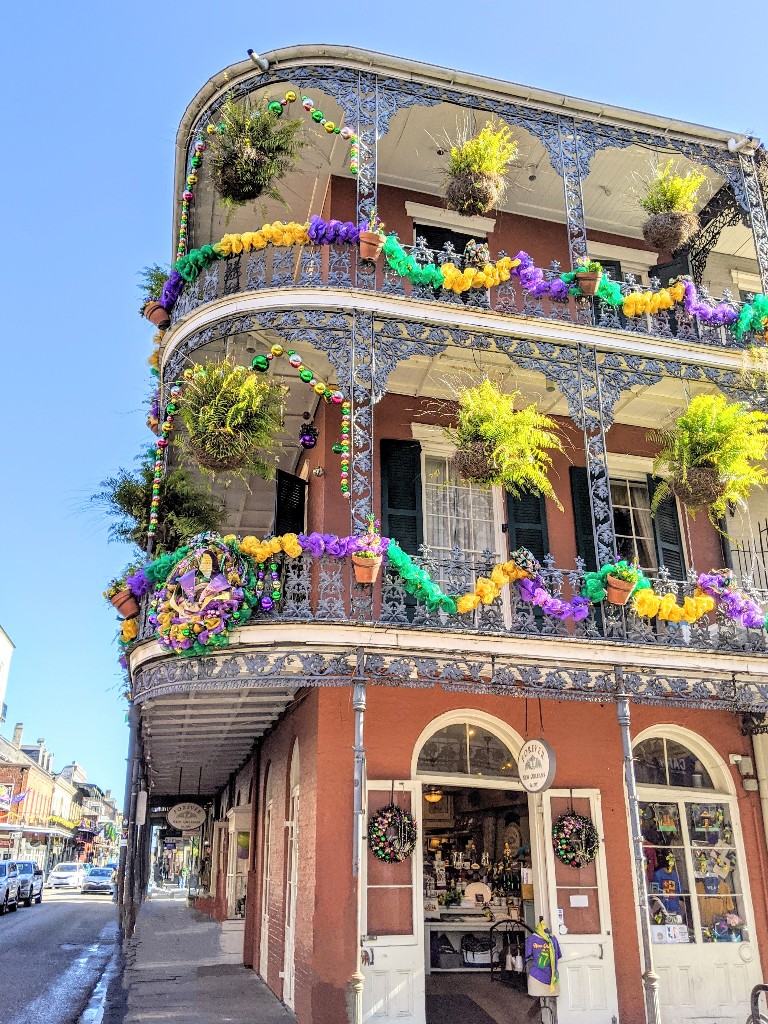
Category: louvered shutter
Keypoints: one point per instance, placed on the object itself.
(582, 517)
(290, 498)
(527, 524)
(401, 512)
(669, 539)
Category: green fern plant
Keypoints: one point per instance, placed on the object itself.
(251, 148)
(498, 444)
(185, 510)
(474, 177)
(710, 458)
(668, 192)
(232, 416)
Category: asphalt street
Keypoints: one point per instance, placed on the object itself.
(53, 954)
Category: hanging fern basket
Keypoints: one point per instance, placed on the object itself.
(669, 231)
(207, 459)
(473, 193)
(242, 178)
(474, 463)
(703, 486)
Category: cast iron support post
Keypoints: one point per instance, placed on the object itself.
(129, 874)
(367, 176)
(650, 978)
(133, 720)
(358, 704)
(596, 420)
(757, 215)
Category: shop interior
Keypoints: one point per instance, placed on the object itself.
(478, 905)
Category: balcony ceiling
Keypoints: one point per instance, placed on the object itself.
(195, 740)
(408, 159)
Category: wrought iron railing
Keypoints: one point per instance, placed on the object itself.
(338, 267)
(323, 590)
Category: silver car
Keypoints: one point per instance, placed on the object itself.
(9, 886)
(30, 882)
(69, 875)
(98, 880)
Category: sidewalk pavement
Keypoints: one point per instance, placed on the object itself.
(177, 970)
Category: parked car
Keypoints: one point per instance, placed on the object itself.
(98, 880)
(9, 886)
(30, 882)
(67, 875)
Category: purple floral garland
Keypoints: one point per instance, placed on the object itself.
(533, 591)
(328, 232)
(717, 315)
(533, 280)
(318, 544)
(736, 605)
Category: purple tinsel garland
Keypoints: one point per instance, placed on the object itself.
(533, 280)
(737, 606)
(326, 232)
(318, 544)
(172, 290)
(138, 584)
(533, 591)
(715, 315)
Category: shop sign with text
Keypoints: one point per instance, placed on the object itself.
(536, 765)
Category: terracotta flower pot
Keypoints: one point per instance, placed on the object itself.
(125, 603)
(157, 315)
(371, 243)
(589, 281)
(366, 569)
(618, 591)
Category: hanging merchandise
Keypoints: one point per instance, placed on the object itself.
(342, 445)
(308, 436)
(265, 597)
(575, 839)
(162, 443)
(392, 834)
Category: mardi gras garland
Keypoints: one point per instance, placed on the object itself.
(575, 840)
(595, 582)
(392, 834)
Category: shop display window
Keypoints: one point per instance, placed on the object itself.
(467, 750)
(664, 762)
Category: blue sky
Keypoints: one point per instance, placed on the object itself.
(94, 95)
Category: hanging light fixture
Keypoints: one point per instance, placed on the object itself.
(433, 794)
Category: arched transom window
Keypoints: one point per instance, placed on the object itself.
(467, 749)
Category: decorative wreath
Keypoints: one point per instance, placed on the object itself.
(392, 834)
(207, 593)
(575, 840)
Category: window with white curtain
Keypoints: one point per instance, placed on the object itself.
(456, 513)
(633, 524)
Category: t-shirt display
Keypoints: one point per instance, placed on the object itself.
(668, 884)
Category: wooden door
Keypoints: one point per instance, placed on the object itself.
(291, 898)
(266, 870)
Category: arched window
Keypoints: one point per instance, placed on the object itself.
(689, 841)
(466, 749)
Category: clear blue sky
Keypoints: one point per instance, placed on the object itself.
(94, 93)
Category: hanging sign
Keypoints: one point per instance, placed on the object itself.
(536, 764)
(186, 816)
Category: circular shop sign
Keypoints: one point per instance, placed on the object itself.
(186, 817)
(536, 765)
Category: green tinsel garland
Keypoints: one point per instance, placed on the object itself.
(594, 582)
(607, 291)
(752, 316)
(417, 581)
(407, 267)
(157, 572)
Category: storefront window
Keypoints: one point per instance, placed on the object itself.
(467, 749)
(691, 864)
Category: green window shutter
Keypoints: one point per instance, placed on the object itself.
(582, 517)
(669, 539)
(401, 512)
(290, 498)
(527, 524)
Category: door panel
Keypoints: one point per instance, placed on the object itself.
(587, 974)
(393, 922)
(265, 893)
(291, 897)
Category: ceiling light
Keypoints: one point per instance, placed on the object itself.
(433, 795)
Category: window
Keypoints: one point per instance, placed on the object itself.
(456, 513)
(436, 237)
(691, 862)
(466, 749)
(633, 523)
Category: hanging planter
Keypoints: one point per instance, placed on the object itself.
(157, 315)
(251, 149)
(711, 459)
(618, 591)
(125, 604)
(232, 418)
(367, 552)
(475, 176)
(371, 237)
(366, 567)
(588, 276)
(670, 198)
(497, 444)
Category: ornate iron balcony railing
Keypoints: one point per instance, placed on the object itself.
(338, 267)
(323, 590)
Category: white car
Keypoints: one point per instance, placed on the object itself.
(68, 875)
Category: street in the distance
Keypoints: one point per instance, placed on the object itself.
(53, 954)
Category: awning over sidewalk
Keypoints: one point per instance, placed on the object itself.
(193, 739)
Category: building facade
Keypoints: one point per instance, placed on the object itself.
(337, 700)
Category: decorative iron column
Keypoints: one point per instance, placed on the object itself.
(367, 174)
(574, 166)
(594, 427)
(650, 978)
(757, 215)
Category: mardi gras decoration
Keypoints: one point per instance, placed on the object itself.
(392, 834)
(575, 839)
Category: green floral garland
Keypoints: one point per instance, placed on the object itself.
(392, 834)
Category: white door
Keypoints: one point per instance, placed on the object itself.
(291, 897)
(266, 868)
(577, 910)
(393, 925)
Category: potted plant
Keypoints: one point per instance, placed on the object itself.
(251, 148)
(185, 508)
(620, 582)
(711, 458)
(670, 199)
(498, 444)
(232, 416)
(120, 597)
(474, 178)
(153, 279)
(588, 276)
(367, 557)
(371, 236)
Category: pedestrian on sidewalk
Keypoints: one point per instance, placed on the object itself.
(183, 875)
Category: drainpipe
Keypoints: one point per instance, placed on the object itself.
(760, 751)
(127, 853)
(650, 978)
(358, 704)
